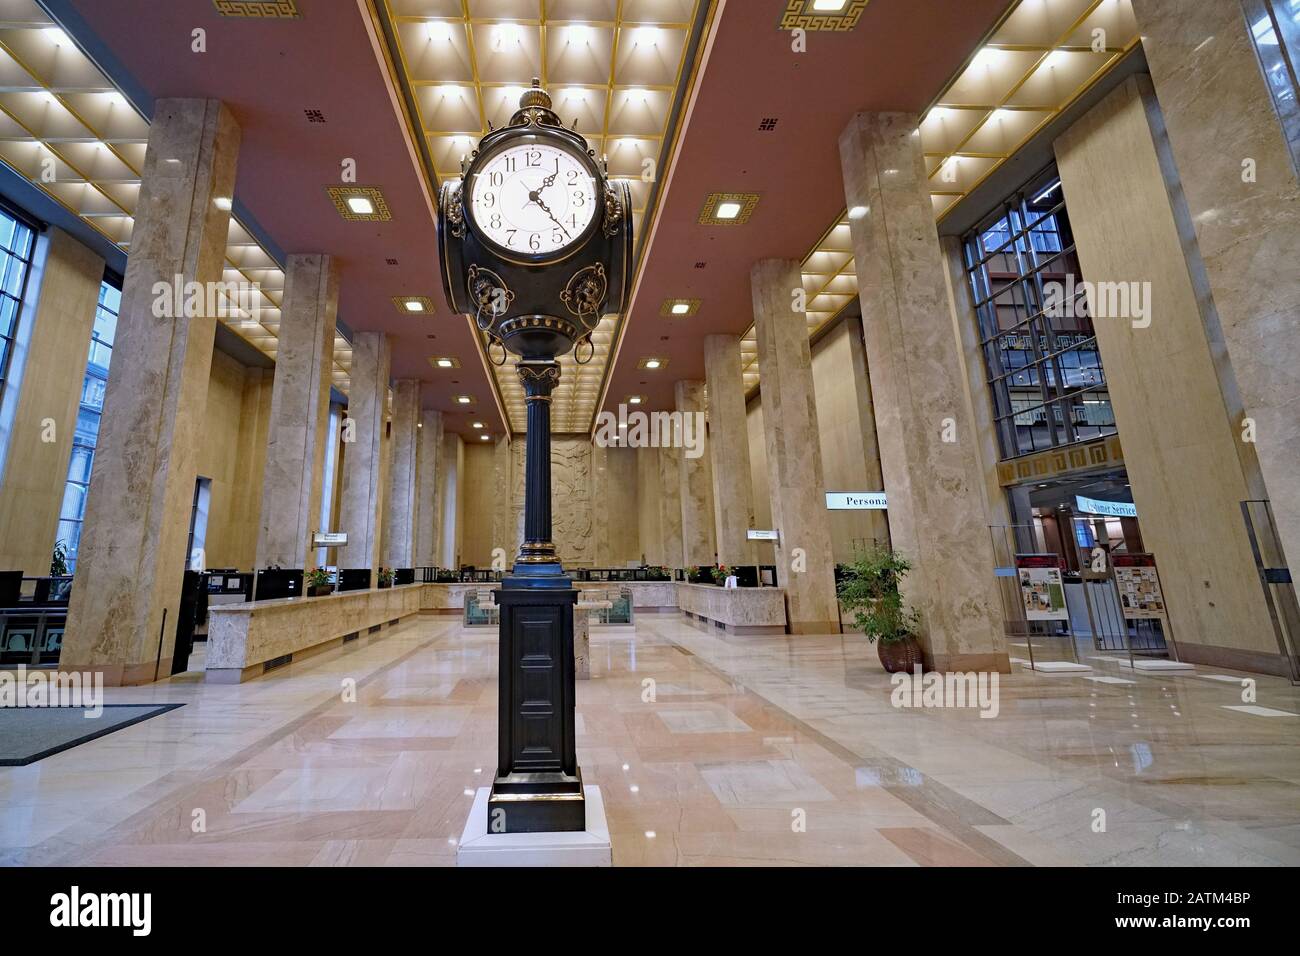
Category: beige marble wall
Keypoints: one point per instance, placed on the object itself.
(648, 506)
(133, 549)
(1181, 444)
(450, 471)
(572, 518)
(232, 456)
(672, 545)
(361, 511)
(427, 471)
(935, 487)
(481, 496)
(299, 427)
(44, 386)
(617, 506)
(695, 477)
(1218, 116)
(401, 503)
(733, 499)
(805, 567)
(764, 551)
(850, 458)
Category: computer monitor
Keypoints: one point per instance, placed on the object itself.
(746, 575)
(274, 583)
(354, 579)
(404, 576)
(11, 588)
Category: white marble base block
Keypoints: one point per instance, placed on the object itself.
(591, 847)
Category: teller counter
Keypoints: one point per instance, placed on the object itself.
(735, 610)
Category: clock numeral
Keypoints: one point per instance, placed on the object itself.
(573, 176)
(496, 220)
(573, 220)
(496, 179)
(489, 199)
(579, 198)
(510, 164)
(535, 241)
(510, 236)
(557, 236)
(533, 158)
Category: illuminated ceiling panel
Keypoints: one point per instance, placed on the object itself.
(1041, 58)
(613, 66)
(66, 129)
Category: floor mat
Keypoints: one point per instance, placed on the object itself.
(28, 734)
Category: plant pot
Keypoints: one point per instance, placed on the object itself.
(904, 655)
(320, 590)
(385, 584)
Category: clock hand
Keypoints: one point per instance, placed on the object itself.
(547, 209)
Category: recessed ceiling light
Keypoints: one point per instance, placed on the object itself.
(858, 212)
(728, 210)
(477, 425)
(413, 305)
(485, 437)
(681, 308)
(361, 205)
(829, 6)
(444, 363)
(463, 399)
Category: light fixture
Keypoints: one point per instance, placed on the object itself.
(221, 202)
(477, 425)
(578, 34)
(987, 57)
(359, 203)
(829, 6)
(485, 437)
(635, 400)
(681, 308)
(444, 363)
(728, 210)
(413, 305)
(464, 400)
(858, 212)
(652, 363)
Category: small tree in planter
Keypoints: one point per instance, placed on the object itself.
(59, 560)
(318, 583)
(385, 577)
(870, 589)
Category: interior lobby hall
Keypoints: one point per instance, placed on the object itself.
(647, 433)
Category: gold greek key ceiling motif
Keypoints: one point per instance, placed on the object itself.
(259, 9)
(803, 15)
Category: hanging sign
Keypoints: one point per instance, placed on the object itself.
(1041, 589)
(1140, 597)
(329, 539)
(755, 535)
(856, 501)
(1113, 509)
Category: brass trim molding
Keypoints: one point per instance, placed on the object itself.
(799, 15)
(258, 9)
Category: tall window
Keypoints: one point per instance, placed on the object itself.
(1275, 29)
(15, 259)
(87, 433)
(1040, 351)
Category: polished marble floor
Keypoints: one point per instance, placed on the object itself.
(710, 750)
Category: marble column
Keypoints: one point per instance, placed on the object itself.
(600, 505)
(401, 503)
(451, 460)
(361, 512)
(804, 565)
(122, 618)
(299, 426)
(929, 451)
(504, 516)
(1240, 184)
(695, 475)
(1171, 386)
(648, 506)
(733, 499)
(670, 508)
(426, 512)
(41, 398)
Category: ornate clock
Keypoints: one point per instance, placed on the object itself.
(535, 242)
(535, 238)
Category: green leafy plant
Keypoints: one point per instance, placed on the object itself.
(318, 578)
(385, 576)
(59, 560)
(720, 574)
(869, 588)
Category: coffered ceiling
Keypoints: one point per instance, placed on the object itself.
(615, 68)
(68, 130)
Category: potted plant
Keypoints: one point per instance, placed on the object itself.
(870, 589)
(720, 575)
(59, 560)
(385, 577)
(318, 583)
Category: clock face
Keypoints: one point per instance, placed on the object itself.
(533, 199)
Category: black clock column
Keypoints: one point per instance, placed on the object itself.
(538, 786)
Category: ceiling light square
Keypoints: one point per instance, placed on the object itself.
(348, 199)
(679, 308)
(728, 209)
(652, 363)
(413, 304)
(832, 15)
(442, 362)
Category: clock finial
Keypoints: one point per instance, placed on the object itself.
(535, 97)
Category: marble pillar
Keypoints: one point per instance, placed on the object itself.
(122, 617)
(670, 507)
(299, 425)
(401, 503)
(733, 500)
(929, 452)
(600, 502)
(648, 507)
(426, 512)
(41, 396)
(451, 462)
(361, 511)
(1170, 397)
(695, 475)
(504, 518)
(1239, 182)
(804, 565)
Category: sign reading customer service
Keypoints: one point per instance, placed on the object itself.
(856, 501)
(1113, 509)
